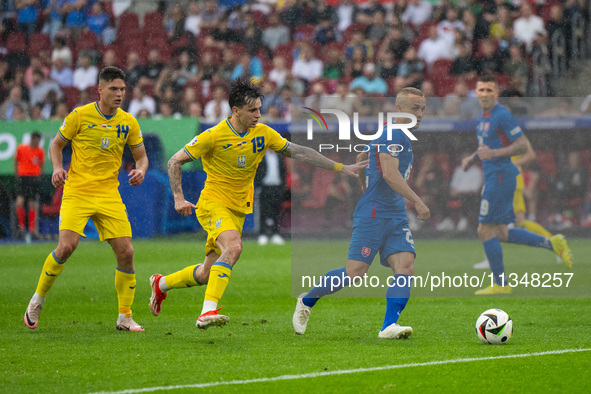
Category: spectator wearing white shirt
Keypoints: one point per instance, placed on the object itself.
(217, 109)
(434, 48)
(346, 13)
(466, 187)
(279, 72)
(307, 67)
(528, 26)
(417, 12)
(61, 74)
(141, 101)
(447, 27)
(86, 75)
(193, 20)
(61, 49)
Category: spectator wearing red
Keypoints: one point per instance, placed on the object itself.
(28, 164)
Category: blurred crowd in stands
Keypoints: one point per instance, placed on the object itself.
(180, 56)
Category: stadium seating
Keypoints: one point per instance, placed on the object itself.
(37, 42)
(71, 95)
(128, 21)
(153, 21)
(320, 179)
(16, 42)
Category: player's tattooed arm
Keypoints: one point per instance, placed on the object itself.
(517, 147)
(313, 158)
(175, 176)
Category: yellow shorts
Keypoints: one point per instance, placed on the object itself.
(215, 218)
(518, 200)
(108, 214)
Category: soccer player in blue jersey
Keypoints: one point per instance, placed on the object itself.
(499, 138)
(380, 223)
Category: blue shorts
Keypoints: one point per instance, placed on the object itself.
(386, 235)
(496, 206)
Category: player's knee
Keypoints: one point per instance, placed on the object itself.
(234, 250)
(356, 271)
(126, 253)
(483, 233)
(407, 269)
(65, 250)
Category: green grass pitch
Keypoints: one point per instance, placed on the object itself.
(76, 348)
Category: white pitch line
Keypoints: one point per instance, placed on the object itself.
(339, 372)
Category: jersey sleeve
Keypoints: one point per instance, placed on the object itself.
(275, 141)
(70, 127)
(135, 139)
(394, 146)
(510, 127)
(199, 145)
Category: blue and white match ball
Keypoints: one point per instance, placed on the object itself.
(494, 327)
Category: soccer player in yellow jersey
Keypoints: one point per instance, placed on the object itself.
(520, 209)
(231, 152)
(98, 132)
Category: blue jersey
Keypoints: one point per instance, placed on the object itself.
(498, 129)
(379, 200)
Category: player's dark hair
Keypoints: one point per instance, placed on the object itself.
(110, 73)
(243, 92)
(488, 77)
(35, 134)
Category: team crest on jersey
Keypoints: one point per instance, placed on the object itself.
(365, 251)
(241, 161)
(105, 143)
(193, 141)
(218, 223)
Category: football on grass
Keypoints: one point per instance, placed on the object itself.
(494, 327)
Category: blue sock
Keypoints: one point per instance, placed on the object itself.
(494, 254)
(332, 282)
(524, 237)
(396, 298)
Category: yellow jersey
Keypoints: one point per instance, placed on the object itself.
(230, 160)
(97, 147)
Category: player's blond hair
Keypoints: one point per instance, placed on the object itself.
(408, 91)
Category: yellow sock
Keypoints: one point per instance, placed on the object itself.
(535, 228)
(219, 275)
(125, 286)
(51, 270)
(183, 278)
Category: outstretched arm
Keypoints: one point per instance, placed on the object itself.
(310, 156)
(175, 176)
